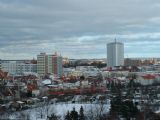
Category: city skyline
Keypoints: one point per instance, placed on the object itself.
(78, 29)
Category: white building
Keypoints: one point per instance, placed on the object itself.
(88, 70)
(9, 66)
(115, 54)
(22, 68)
(18, 67)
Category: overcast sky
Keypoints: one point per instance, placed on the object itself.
(78, 28)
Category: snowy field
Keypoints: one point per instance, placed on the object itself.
(59, 109)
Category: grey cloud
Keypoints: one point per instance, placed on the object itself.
(77, 28)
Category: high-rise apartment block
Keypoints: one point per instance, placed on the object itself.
(49, 64)
(115, 54)
(42, 64)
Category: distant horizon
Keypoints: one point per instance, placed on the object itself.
(88, 58)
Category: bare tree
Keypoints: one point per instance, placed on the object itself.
(40, 113)
(45, 111)
(96, 112)
(24, 116)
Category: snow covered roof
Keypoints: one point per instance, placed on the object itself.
(46, 82)
(31, 73)
(10, 84)
(45, 97)
(52, 85)
(20, 102)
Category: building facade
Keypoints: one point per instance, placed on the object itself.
(132, 62)
(115, 54)
(22, 68)
(49, 64)
(18, 67)
(42, 64)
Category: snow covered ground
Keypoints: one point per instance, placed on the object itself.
(59, 109)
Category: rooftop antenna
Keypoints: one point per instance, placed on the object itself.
(55, 53)
(115, 40)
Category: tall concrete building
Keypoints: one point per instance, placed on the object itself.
(49, 64)
(42, 64)
(115, 54)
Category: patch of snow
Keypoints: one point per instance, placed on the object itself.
(41, 113)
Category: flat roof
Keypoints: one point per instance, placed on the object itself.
(115, 43)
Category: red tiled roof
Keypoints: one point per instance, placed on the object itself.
(149, 77)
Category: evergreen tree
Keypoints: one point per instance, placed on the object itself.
(74, 114)
(125, 108)
(81, 114)
(67, 117)
(54, 117)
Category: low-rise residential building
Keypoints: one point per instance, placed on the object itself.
(75, 73)
(88, 70)
(147, 79)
